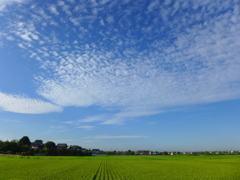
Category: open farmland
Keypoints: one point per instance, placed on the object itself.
(121, 167)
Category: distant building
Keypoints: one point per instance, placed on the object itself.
(120, 153)
(187, 153)
(156, 153)
(62, 145)
(37, 145)
(143, 152)
(95, 151)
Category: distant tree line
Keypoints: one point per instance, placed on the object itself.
(25, 147)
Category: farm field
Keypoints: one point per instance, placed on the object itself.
(120, 167)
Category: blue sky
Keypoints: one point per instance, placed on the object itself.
(118, 75)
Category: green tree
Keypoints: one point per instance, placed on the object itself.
(50, 145)
(87, 153)
(72, 151)
(62, 151)
(25, 148)
(76, 147)
(165, 153)
(129, 152)
(9, 146)
(24, 141)
(38, 141)
(14, 147)
(75, 150)
(50, 148)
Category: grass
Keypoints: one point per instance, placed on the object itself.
(121, 167)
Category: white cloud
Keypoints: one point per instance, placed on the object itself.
(102, 22)
(4, 3)
(21, 46)
(26, 37)
(75, 21)
(53, 10)
(102, 2)
(134, 65)
(10, 38)
(167, 2)
(20, 104)
(141, 85)
(65, 7)
(110, 19)
(71, 1)
(154, 4)
(93, 3)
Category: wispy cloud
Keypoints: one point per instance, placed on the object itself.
(4, 3)
(8, 120)
(87, 120)
(20, 104)
(86, 127)
(117, 137)
(90, 141)
(63, 140)
(153, 5)
(57, 127)
(111, 118)
(113, 137)
(152, 123)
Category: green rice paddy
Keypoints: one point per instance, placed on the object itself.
(120, 167)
